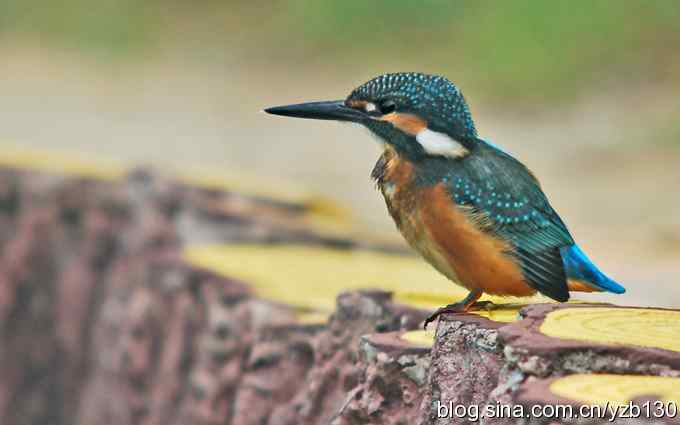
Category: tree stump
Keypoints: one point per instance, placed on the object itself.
(338, 370)
(392, 383)
(560, 339)
(467, 363)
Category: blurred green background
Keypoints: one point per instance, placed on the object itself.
(585, 92)
(510, 51)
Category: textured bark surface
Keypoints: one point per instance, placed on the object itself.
(376, 380)
(466, 361)
(102, 321)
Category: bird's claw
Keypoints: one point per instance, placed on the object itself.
(458, 308)
(451, 308)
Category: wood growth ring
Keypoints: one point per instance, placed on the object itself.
(650, 328)
(617, 389)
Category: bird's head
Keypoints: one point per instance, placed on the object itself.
(419, 115)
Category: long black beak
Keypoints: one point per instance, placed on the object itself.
(331, 110)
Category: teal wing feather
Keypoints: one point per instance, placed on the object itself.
(497, 187)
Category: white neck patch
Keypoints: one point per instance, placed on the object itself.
(436, 143)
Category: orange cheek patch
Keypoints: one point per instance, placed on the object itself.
(408, 123)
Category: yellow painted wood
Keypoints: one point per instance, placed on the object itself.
(640, 327)
(331, 224)
(60, 163)
(507, 308)
(241, 182)
(312, 317)
(426, 298)
(419, 338)
(311, 277)
(501, 313)
(257, 186)
(318, 214)
(598, 389)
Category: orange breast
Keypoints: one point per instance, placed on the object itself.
(446, 237)
(479, 259)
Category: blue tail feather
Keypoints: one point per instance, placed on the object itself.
(577, 266)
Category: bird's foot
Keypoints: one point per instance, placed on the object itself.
(483, 305)
(451, 308)
(460, 307)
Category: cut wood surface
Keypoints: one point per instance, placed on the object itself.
(606, 397)
(558, 339)
(274, 269)
(618, 389)
(311, 277)
(644, 327)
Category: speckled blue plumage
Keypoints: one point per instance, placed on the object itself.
(497, 188)
(500, 192)
(435, 98)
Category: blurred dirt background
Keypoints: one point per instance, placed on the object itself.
(585, 93)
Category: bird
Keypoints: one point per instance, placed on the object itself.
(473, 211)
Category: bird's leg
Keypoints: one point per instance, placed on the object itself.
(459, 307)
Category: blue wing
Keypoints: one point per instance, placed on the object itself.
(513, 207)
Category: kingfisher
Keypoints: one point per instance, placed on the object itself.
(473, 211)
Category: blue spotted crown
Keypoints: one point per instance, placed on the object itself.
(434, 98)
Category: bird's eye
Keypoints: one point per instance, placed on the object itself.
(387, 106)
